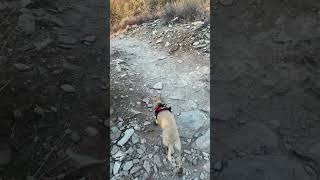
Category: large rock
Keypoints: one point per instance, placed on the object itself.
(203, 142)
(264, 168)
(190, 122)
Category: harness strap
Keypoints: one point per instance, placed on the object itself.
(161, 107)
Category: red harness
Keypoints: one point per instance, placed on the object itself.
(161, 107)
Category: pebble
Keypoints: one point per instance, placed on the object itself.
(158, 86)
(127, 134)
(202, 176)
(39, 111)
(135, 138)
(135, 169)
(157, 160)
(119, 156)
(21, 66)
(127, 166)
(75, 137)
(68, 88)
(114, 150)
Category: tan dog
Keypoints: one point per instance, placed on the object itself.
(170, 134)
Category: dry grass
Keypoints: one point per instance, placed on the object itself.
(130, 12)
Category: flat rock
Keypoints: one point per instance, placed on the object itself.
(68, 88)
(135, 169)
(190, 122)
(67, 40)
(127, 134)
(116, 167)
(203, 142)
(127, 166)
(263, 168)
(42, 44)
(157, 86)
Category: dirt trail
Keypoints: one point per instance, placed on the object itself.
(139, 69)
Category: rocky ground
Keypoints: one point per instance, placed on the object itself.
(53, 86)
(142, 65)
(266, 90)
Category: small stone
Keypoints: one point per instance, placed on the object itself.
(162, 57)
(90, 39)
(127, 134)
(146, 123)
(21, 66)
(146, 100)
(226, 2)
(146, 166)
(115, 133)
(196, 43)
(39, 111)
(135, 161)
(143, 140)
(116, 167)
(75, 137)
(180, 61)
(127, 166)
(119, 156)
(159, 41)
(114, 150)
(135, 169)
(135, 138)
(135, 112)
(91, 131)
(43, 44)
(17, 114)
(156, 148)
(140, 151)
(202, 176)
(158, 86)
(66, 40)
(157, 160)
(68, 88)
(167, 44)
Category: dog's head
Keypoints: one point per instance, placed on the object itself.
(155, 101)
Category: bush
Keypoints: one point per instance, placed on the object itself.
(190, 11)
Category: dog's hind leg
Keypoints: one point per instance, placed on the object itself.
(169, 153)
(179, 159)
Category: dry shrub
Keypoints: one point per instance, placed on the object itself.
(188, 10)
